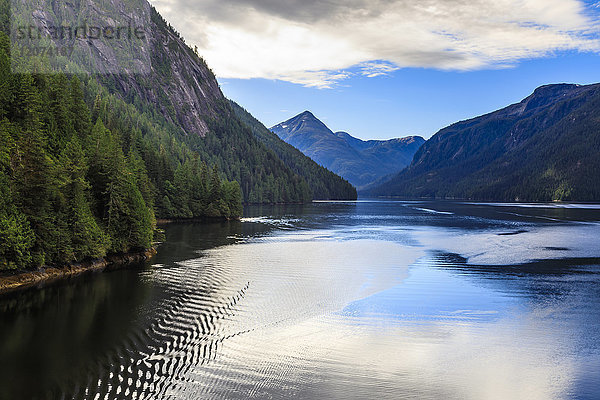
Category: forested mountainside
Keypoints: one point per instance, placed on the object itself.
(544, 148)
(180, 97)
(322, 183)
(88, 162)
(183, 97)
(76, 183)
(360, 162)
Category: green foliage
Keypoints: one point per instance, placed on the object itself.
(70, 190)
(88, 239)
(121, 206)
(16, 237)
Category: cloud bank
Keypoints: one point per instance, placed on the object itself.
(321, 43)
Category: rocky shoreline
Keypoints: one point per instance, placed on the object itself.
(30, 279)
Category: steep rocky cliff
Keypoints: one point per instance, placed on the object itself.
(155, 67)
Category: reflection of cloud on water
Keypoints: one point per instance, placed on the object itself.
(497, 248)
(277, 222)
(327, 330)
(333, 313)
(288, 280)
(338, 357)
(434, 211)
(300, 275)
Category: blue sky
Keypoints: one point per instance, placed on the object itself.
(389, 68)
(409, 101)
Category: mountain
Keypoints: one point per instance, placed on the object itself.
(322, 183)
(360, 162)
(96, 146)
(544, 148)
(177, 92)
(391, 152)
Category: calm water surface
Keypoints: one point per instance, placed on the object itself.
(342, 300)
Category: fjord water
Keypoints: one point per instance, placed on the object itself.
(368, 299)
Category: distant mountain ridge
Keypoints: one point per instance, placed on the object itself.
(544, 148)
(322, 183)
(360, 162)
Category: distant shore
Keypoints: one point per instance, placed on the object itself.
(167, 221)
(24, 280)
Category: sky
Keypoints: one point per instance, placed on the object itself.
(379, 69)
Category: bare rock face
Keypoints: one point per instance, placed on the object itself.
(188, 93)
(128, 45)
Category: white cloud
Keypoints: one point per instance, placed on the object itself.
(316, 43)
(371, 69)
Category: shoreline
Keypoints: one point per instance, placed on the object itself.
(451, 199)
(25, 280)
(167, 221)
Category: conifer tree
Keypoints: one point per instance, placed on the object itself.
(17, 239)
(88, 239)
(78, 110)
(126, 216)
(35, 188)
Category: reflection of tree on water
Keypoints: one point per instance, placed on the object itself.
(185, 240)
(182, 330)
(184, 333)
(62, 337)
(52, 333)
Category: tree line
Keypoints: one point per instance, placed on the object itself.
(78, 182)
